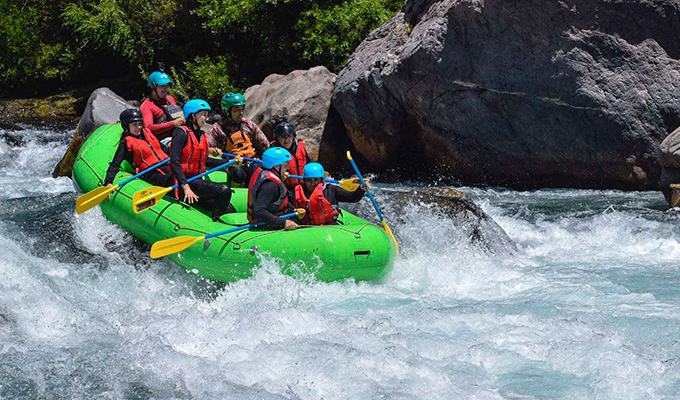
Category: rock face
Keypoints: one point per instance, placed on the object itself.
(469, 221)
(303, 97)
(524, 94)
(669, 156)
(103, 107)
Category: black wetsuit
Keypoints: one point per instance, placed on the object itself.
(153, 177)
(267, 194)
(211, 195)
(335, 194)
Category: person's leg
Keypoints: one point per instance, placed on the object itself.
(157, 179)
(213, 196)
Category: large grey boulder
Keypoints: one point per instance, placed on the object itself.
(461, 219)
(303, 97)
(669, 156)
(103, 107)
(535, 93)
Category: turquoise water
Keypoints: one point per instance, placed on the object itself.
(587, 306)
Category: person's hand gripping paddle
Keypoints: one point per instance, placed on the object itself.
(96, 196)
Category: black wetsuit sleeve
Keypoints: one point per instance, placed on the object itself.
(345, 196)
(266, 195)
(114, 166)
(179, 140)
(211, 162)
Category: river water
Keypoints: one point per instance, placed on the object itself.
(586, 307)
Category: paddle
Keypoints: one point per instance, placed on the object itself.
(375, 205)
(174, 245)
(96, 196)
(147, 198)
(350, 185)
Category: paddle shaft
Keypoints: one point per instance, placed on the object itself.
(238, 228)
(193, 178)
(151, 168)
(368, 192)
(245, 158)
(325, 179)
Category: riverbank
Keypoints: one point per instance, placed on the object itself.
(63, 110)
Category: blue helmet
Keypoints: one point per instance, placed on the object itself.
(313, 170)
(194, 106)
(274, 156)
(158, 78)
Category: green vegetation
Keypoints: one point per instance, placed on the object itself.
(208, 46)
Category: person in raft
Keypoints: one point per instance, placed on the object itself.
(189, 157)
(160, 110)
(236, 134)
(267, 194)
(141, 149)
(320, 199)
(284, 136)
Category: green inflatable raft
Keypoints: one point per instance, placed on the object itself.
(352, 249)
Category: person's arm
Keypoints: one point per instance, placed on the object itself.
(179, 140)
(114, 166)
(260, 139)
(211, 162)
(215, 135)
(345, 196)
(159, 130)
(266, 195)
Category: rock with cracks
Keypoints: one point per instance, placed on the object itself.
(537, 93)
(103, 107)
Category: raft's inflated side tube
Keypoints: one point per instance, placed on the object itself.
(356, 249)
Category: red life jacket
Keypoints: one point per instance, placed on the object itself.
(145, 153)
(160, 110)
(297, 164)
(280, 206)
(194, 154)
(319, 210)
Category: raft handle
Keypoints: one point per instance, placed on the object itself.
(362, 253)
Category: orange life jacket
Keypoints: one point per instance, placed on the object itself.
(238, 142)
(280, 206)
(145, 153)
(319, 210)
(297, 164)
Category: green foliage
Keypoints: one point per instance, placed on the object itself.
(134, 29)
(329, 35)
(214, 45)
(27, 53)
(202, 78)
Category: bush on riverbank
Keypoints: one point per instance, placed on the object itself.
(210, 45)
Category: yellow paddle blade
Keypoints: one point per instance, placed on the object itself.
(389, 232)
(351, 184)
(349, 156)
(147, 198)
(93, 197)
(174, 245)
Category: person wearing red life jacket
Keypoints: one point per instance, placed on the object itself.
(284, 136)
(235, 134)
(267, 194)
(160, 110)
(189, 157)
(320, 199)
(141, 149)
